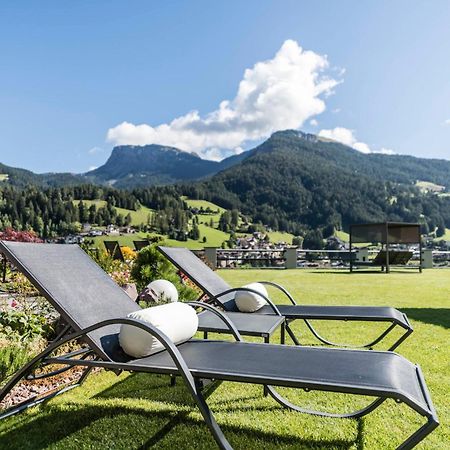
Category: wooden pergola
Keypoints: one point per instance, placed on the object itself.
(385, 233)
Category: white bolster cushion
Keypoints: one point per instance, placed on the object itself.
(178, 321)
(249, 301)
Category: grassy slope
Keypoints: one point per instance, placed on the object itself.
(446, 236)
(137, 217)
(140, 411)
(280, 236)
(342, 235)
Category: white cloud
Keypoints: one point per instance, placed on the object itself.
(276, 94)
(386, 151)
(313, 122)
(92, 168)
(95, 150)
(447, 122)
(345, 136)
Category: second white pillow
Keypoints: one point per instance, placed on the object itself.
(250, 301)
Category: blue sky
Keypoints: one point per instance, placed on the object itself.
(77, 78)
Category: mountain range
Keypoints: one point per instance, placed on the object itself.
(291, 180)
(135, 166)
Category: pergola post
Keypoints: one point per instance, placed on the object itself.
(387, 248)
(351, 253)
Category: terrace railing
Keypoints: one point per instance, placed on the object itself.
(293, 257)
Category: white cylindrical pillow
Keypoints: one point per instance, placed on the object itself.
(249, 301)
(162, 290)
(178, 321)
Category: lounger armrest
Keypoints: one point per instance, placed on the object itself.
(244, 289)
(169, 346)
(281, 288)
(221, 316)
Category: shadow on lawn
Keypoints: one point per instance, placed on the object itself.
(433, 316)
(57, 423)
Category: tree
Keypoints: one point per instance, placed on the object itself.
(313, 240)
(195, 232)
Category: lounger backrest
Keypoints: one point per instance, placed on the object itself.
(200, 274)
(139, 245)
(113, 249)
(380, 259)
(77, 287)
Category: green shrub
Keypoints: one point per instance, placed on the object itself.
(151, 265)
(12, 357)
(26, 324)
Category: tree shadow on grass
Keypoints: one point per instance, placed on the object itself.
(433, 316)
(134, 428)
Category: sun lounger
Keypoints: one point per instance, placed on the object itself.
(94, 308)
(222, 294)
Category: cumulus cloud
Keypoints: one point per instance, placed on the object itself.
(279, 93)
(447, 122)
(386, 151)
(347, 137)
(95, 150)
(313, 122)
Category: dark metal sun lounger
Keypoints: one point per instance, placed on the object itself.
(219, 291)
(95, 307)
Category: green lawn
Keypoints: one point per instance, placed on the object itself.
(140, 411)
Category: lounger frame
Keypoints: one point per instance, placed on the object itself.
(200, 381)
(198, 389)
(216, 298)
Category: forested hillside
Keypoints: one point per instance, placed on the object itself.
(21, 177)
(291, 183)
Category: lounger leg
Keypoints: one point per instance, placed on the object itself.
(352, 415)
(369, 345)
(419, 435)
(265, 390)
(283, 333)
(291, 334)
(400, 340)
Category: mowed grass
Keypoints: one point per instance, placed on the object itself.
(140, 411)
